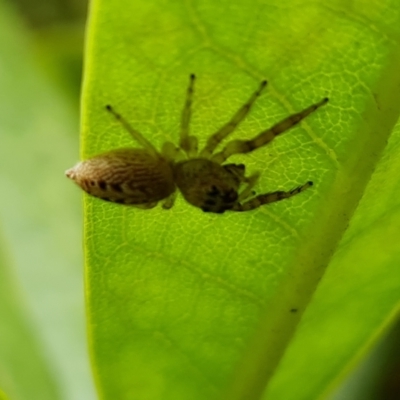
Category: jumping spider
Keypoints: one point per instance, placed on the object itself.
(144, 176)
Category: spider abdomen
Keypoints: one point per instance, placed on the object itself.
(128, 176)
(206, 184)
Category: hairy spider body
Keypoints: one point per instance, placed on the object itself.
(144, 176)
(126, 176)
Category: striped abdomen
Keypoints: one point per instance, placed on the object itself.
(128, 176)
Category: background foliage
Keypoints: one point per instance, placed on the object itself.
(42, 339)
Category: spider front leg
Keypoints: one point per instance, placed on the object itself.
(231, 125)
(266, 198)
(187, 142)
(248, 190)
(169, 201)
(246, 146)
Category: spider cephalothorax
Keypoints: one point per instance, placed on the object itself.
(144, 176)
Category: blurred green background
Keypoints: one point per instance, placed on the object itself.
(43, 352)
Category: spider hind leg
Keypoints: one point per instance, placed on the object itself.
(266, 198)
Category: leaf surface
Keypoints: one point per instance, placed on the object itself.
(184, 304)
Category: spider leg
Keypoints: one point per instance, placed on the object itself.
(266, 198)
(172, 153)
(133, 132)
(188, 143)
(169, 201)
(214, 140)
(246, 146)
(248, 190)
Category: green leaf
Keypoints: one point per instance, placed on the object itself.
(184, 304)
